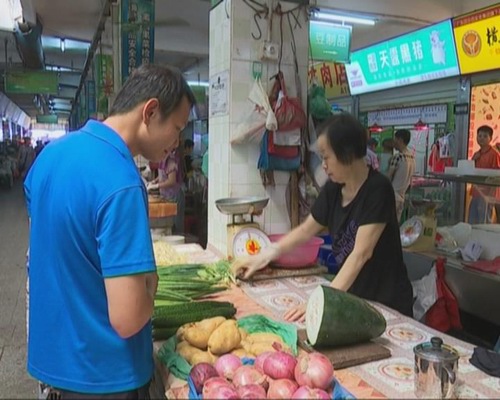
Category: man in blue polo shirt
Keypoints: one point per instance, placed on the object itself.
(92, 272)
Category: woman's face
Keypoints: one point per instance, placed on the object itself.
(335, 170)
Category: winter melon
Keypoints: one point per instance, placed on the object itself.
(336, 318)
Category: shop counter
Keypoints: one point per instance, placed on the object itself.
(476, 291)
(388, 378)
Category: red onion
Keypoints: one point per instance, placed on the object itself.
(200, 373)
(314, 370)
(249, 375)
(306, 393)
(251, 392)
(281, 389)
(280, 365)
(219, 388)
(259, 360)
(227, 365)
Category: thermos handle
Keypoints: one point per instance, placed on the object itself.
(452, 377)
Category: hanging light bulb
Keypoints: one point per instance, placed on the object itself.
(63, 45)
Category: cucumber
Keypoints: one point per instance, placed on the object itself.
(336, 318)
(177, 315)
(164, 333)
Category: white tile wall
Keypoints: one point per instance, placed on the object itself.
(233, 169)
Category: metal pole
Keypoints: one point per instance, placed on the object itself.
(117, 70)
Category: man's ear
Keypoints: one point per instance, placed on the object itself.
(149, 109)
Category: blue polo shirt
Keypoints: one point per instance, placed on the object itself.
(89, 221)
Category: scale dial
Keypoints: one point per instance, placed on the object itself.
(249, 242)
(411, 231)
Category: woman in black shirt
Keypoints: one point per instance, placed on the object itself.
(358, 207)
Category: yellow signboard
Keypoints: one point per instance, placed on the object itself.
(332, 76)
(477, 37)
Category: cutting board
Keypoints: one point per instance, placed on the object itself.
(278, 272)
(348, 356)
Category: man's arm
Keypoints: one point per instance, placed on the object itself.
(130, 302)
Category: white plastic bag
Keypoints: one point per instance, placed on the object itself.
(426, 293)
(289, 138)
(260, 117)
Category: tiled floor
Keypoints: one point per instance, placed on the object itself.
(14, 380)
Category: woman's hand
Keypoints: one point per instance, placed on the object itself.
(296, 314)
(245, 267)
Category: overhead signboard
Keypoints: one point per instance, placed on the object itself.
(329, 42)
(331, 76)
(478, 40)
(31, 82)
(47, 119)
(138, 34)
(423, 55)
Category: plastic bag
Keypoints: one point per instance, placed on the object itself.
(260, 323)
(288, 110)
(288, 138)
(444, 314)
(259, 118)
(426, 294)
(280, 151)
(269, 162)
(319, 107)
(175, 363)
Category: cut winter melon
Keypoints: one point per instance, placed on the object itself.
(337, 318)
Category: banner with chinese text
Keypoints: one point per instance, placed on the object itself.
(137, 34)
(484, 110)
(103, 64)
(478, 40)
(423, 55)
(331, 76)
(329, 42)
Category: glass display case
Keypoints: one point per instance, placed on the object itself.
(450, 195)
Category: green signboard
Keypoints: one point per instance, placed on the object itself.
(47, 119)
(423, 55)
(31, 82)
(329, 42)
(103, 64)
(137, 34)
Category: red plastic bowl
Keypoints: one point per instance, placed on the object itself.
(302, 256)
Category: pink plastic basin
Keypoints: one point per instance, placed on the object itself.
(302, 256)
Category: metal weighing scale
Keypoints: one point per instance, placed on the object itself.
(419, 232)
(244, 238)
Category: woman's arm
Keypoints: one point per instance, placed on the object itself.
(170, 181)
(301, 234)
(367, 238)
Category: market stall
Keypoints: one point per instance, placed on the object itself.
(391, 377)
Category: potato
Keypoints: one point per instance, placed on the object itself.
(203, 356)
(187, 351)
(261, 347)
(241, 353)
(264, 337)
(198, 334)
(225, 338)
(246, 345)
(243, 333)
(182, 329)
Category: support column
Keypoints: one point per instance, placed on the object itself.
(235, 44)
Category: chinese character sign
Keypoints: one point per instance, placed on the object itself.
(137, 34)
(424, 55)
(329, 42)
(331, 76)
(478, 40)
(103, 64)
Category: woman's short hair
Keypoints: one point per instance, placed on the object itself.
(346, 136)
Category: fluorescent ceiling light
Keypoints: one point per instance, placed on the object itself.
(196, 83)
(344, 18)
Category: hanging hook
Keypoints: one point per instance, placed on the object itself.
(259, 36)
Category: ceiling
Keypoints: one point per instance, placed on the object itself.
(182, 33)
